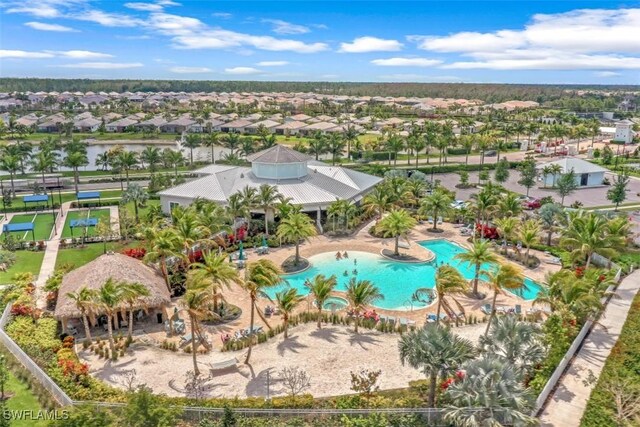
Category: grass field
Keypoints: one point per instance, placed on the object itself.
(141, 211)
(80, 256)
(82, 214)
(21, 400)
(26, 262)
(43, 224)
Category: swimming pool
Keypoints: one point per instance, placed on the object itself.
(397, 281)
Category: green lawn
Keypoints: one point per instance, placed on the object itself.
(83, 214)
(43, 224)
(26, 262)
(22, 399)
(141, 211)
(80, 256)
(71, 197)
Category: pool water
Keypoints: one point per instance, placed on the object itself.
(335, 303)
(397, 281)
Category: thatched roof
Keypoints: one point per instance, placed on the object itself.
(118, 267)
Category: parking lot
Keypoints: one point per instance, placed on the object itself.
(590, 197)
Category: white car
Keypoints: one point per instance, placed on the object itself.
(458, 204)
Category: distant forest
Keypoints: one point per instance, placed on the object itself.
(484, 92)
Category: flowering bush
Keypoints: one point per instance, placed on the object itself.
(195, 256)
(486, 232)
(137, 253)
(21, 310)
(579, 272)
(68, 342)
(446, 383)
(71, 368)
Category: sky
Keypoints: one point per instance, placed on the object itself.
(570, 42)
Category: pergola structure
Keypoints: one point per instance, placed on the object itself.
(82, 223)
(36, 198)
(19, 226)
(87, 195)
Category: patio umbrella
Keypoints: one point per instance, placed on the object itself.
(241, 252)
(264, 241)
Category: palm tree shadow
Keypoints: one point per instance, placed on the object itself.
(291, 344)
(327, 334)
(257, 385)
(363, 339)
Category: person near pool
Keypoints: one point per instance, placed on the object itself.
(355, 261)
(338, 256)
(345, 255)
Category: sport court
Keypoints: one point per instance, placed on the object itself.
(21, 226)
(82, 222)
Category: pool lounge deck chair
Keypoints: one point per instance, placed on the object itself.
(431, 318)
(486, 309)
(518, 309)
(225, 364)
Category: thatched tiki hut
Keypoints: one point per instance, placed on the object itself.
(120, 268)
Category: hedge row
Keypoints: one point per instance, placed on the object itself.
(620, 376)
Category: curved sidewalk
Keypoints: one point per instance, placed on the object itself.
(568, 402)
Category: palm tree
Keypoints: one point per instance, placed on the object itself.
(266, 199)
(509, 205)
(136, 194)
(214, 271)
(151, 156)
(232, 141)
(259, 275)
(188, 229)
(529, 235)
(174, 159)
(10, 164)
(249, 199)
(517, 343)
(361, 294)
(335, 145)
(317, 144)
(490, 394)
(480, 253)
(586, 234)
(503, 277)
(394, 144)
(548, 215)
(449, 282)
(192, 141)
(196, 302)
(287, 301)
(75, 160)
(108, 300)
(237, 208)
(435, 350)
(321, 287)
(397, 224)
(84, 299)
(377, 202)
(436, 203)
(211, 141)
(131, 294)
(43, 162)
(127, 160)
(297, 226)
(506, 226)
(162, 244)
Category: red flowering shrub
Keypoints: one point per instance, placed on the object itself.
(137, 253)
(21, 310)
(68, 342)
(196, 256)
(71, 368)
(460, 374)
(486, 232)
(446, 383)
(579, 272)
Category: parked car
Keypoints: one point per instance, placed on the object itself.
(490, 153)
(458, 204)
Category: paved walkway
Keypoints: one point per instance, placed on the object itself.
(567, 404)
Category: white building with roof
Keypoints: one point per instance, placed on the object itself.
(624, 131)
(587, 174)
(307, 183)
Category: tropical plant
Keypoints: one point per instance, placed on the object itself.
(196, 302)
(321, 287)
(76, 160)
(586, 234)
(266, 199)
(449, 284)
(214, 272)
(529, 235)
(479, 254)
(436, 351)
(361, 294)
(287, 301)
(377, 202)
(439, 202)
(84, 299)
(548, 215)
(259, 275)
(131, 294)
(501, 278)
(191, 141)
(136, 194)
(107, 300)
(397, 224)
(294, 228)
(162, 244)
(506, 227)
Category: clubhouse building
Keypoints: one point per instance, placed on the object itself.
(310, 184)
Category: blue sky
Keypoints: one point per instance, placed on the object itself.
(429, 41)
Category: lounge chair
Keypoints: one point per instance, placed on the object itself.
(225, 364)
(518, 309)
(486, 309)
(186, 339)
(431, 318)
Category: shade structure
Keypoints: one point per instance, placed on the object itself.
(36, 198)
(19, 226)
(82, 223)
(88, 195)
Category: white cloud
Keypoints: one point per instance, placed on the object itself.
(272, 63)
(49, 27)
(370, 44)
(284, 27)
(24, 54)
(108, 19)
(190, 70)
(104, 65)
(40, 8)
(168, 3)
(148, 7)
(589, 39)
(607, 74)
(242, 71)
(406, 62)
(222, 15)
(81, 54)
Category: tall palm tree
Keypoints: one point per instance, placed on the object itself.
(335, 145)
(517, 343)
(127, 160)
(317, 144)
(211, 141)
(214, 272)
(232, 142)
(480, 253)
(361, 294)
(237, 208)
(259, 275)
(509, 205)
(151, 156)
(321, 287)
(42, 162)
(249, 195)
(297, 226)
(548, 215)
(435, 204)
(196, 302)
(436, 351)
(76, 160)
(10, 164)
(397, 224)
(490, 394)
(136, 194)
(162, 244)
(506, 226)
(449, 284)
(131, 294)
(84, 299)
(287, 301)
(503, 277)
(529, 235)
(108, 300)
(586, 234)
(189, 230)
(266, 199)
(173, 158)
(377, 202)
(192, 141)
(213, 218)
(350, 135)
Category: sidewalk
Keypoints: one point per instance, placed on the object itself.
(568, 402)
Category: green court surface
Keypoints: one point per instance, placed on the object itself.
(43, 225)
(83, 214)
